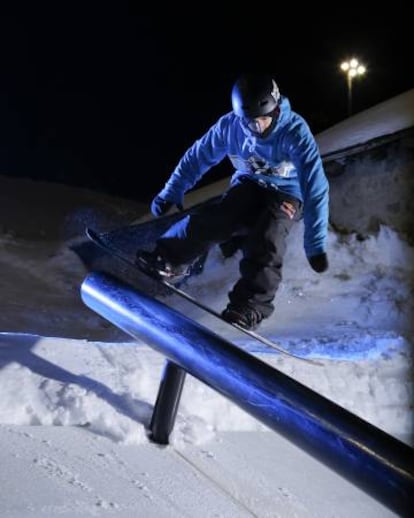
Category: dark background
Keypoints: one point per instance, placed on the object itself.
(111, 100)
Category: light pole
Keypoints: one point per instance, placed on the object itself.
(352, 68)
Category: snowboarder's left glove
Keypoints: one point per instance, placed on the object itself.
(319, 262)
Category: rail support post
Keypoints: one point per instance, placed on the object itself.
(166, 405)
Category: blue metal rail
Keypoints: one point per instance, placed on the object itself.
(368, 457)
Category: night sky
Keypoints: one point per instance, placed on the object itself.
(111, 100)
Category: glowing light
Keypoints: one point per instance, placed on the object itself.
(352, 68)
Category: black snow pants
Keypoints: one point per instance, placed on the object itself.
(245, 208)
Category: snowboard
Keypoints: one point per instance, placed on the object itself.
(115, 251)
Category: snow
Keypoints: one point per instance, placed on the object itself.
(367, 125)
(77, 394)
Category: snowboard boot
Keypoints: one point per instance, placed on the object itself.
(244, 316)
(157, 266)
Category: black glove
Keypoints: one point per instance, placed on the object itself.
(159, 206)
(319, 262)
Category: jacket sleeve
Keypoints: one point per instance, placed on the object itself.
(305, 155)
(206, 152)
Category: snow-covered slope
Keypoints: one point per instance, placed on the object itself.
(77, 394)
(385, 118)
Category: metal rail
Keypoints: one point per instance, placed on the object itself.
(368, 457)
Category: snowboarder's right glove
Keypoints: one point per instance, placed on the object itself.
(159, 206)
(319, 262)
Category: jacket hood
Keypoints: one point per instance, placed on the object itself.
(285, 112)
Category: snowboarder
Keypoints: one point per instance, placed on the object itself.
(279, 178)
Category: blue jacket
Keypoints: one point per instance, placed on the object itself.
(287, 159)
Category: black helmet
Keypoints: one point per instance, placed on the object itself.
(254, 96)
